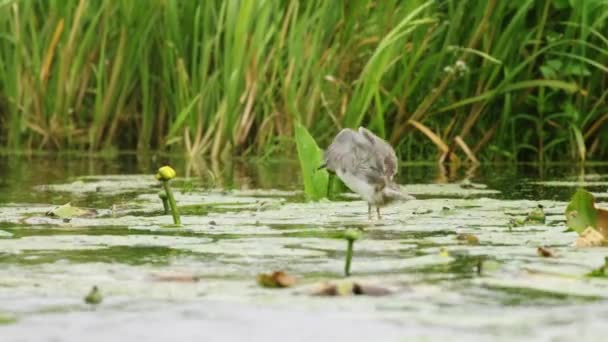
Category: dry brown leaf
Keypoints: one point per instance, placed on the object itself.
(602, 221)
(348, 289)
(545, 252)
(276, 279)
(590, 238)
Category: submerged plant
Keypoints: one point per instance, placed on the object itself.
(165, 174)
(94, 297)
(350, 235)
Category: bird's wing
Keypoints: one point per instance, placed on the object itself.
(383, 150)
(338, 154)
(355, 153)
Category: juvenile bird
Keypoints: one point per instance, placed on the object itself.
(367, 165)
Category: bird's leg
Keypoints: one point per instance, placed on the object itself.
(369, 211)
(378, 212)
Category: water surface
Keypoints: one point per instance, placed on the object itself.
(247, 217)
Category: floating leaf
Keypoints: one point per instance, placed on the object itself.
(311, 158)
(581, 212)
(468, 238)
(348, 288)
(545, 252)
(68, 211)
(590, 238)
(276, 279)
(602, 221)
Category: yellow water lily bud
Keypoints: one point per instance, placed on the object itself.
(165, 173)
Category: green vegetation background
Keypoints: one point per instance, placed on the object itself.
(490, 80)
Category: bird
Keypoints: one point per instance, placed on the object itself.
(367, 165)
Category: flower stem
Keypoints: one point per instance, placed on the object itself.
(166, 206)
(171, 199)
(163, 198)
(349, 256)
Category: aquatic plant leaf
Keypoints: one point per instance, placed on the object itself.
(590, 238)
(537, 215)
(94, 297)
(468, 238)
(68, 211)
(602, 221)
(276, 279)
(311, 158)
(581, 212)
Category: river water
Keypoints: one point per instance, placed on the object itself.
(244, 218)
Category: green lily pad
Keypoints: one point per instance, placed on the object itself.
(68, 211)
(581, 212)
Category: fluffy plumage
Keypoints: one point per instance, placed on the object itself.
(367, 165)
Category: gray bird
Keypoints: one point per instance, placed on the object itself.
(367, 165)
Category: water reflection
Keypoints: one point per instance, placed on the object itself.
(21, 172)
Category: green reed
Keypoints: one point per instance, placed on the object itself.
(489, 80)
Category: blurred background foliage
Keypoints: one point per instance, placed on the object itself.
(492, 80)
